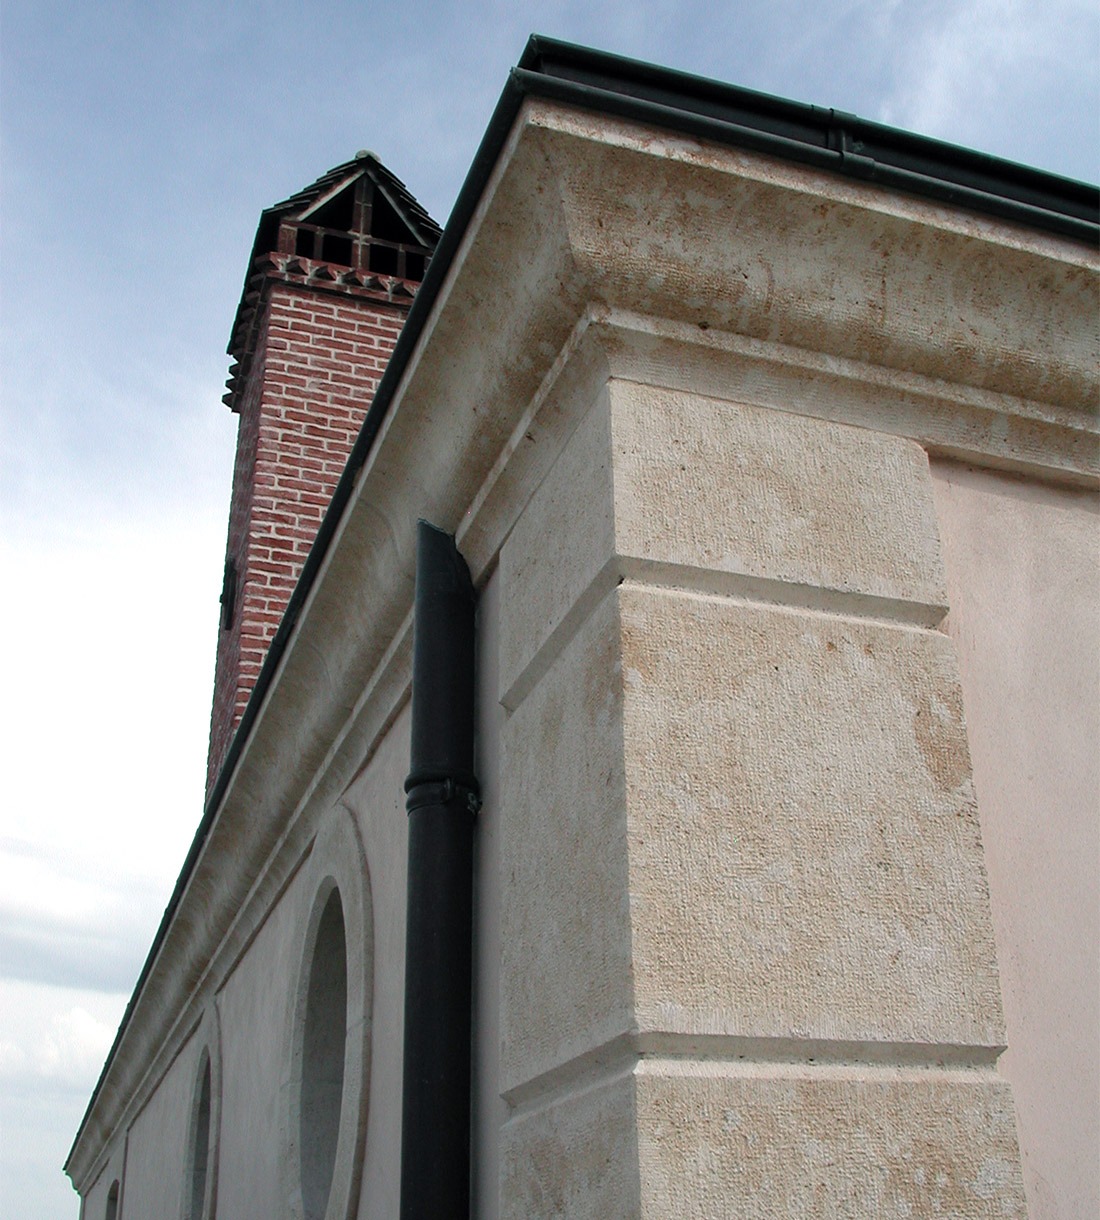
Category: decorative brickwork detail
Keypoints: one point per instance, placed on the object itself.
(316, 358)
(341, 282)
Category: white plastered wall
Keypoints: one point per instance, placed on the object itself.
(253, 1006)
(376, 799)
(94, 1203)
(156, 1153)
(257, 1004)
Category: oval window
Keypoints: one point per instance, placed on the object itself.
(200, 1144)
(324, 1039)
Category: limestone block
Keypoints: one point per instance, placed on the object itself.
(565, 927)
(757, 493)
(757, 1142)
(818, 1144)
(682, 489)
(577, 1159)
(559, 545)
(805, 856)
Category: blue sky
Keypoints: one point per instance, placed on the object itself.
(139, 142)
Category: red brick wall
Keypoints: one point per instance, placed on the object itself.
(317, 362)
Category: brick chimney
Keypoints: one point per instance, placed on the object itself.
(333, 272)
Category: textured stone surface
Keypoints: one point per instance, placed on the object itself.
(764, 494)
(759, 1147)
(565, 932)
(797, 841)
(576, 1160)
(753, 1142)
(559, 544)
(805, 857)
(719, 496)
(671, 227)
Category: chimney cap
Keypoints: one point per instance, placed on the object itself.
(422, 228)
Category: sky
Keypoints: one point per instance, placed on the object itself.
(138, 144)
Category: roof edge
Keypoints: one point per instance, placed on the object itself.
(828, 139)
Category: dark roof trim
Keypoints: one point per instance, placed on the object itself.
(677, 101)
(812, 135)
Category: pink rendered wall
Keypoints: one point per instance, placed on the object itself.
(1023, 575)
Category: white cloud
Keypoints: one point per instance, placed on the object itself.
(53, 1041)
(71, 1050)
(55, 1037)
(108, 671)
(1000, 75)
(103, 733)
(953, 64)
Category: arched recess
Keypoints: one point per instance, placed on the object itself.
(112, 1201)
(328, 1028)
(200, 1185)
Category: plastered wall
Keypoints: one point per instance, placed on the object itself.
(1023, 572)
(255, 1149)
(156, 1143)
(254, 1006)
(94, 1204)
(377, 801)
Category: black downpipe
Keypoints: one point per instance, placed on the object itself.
(442, 803)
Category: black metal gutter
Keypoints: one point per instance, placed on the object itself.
(442, 803)
(676, 101)
(812, 135)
